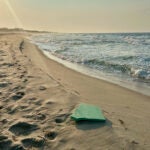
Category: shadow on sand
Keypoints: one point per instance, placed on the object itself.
(89, 125)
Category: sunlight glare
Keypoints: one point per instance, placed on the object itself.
(13, 13)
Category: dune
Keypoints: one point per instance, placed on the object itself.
(38, 95)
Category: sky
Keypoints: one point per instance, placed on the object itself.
(76, 15)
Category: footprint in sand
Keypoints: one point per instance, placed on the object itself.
(1, 51)
(2, 137)
(4, 84)
(25, 80)
(7, 64)
(3, 121)
(1, 107)
(24, 72)
(16, 88)
(61, 118)
(3, 55)
(38, 116)
(33, 142)
(12, 110)
(18, 96)
(16, 147)
(23, 128)
(51, 135)
(22, 107)
(2, 75)
(5, 143)
(42, 88)
(21, 76)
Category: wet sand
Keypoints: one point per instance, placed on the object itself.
(37, 96)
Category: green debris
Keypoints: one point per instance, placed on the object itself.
(87, 112)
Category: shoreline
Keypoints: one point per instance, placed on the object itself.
(78, 73)
(87, 71)
(130, 79)
(43, 93)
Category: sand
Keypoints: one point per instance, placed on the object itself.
(37, 96)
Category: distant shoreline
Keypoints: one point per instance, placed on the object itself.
(43, 31)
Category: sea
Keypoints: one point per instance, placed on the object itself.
(120, 58)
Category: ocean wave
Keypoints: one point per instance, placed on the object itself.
(124, 68)
(107, 64)
(139, 73)
(63, 49)
(125, 57)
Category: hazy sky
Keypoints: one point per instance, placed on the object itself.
(77, 15)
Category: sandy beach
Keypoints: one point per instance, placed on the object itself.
(38, 95)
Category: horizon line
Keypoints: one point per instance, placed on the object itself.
(17, 28)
